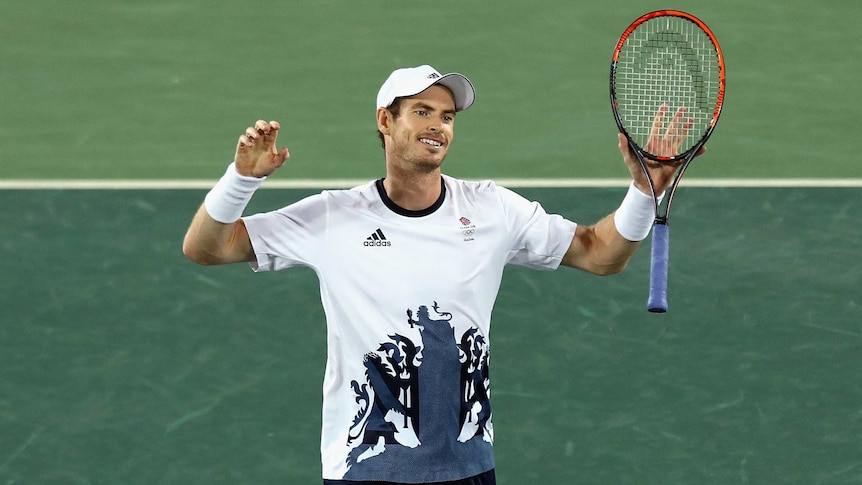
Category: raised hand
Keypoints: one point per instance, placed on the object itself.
(664, 142)
(256, 152)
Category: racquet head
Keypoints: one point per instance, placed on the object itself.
(667, 58)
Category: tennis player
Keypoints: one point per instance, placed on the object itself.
(409, 268)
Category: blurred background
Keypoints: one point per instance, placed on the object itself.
(150, 89)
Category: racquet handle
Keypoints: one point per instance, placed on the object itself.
(658, 269)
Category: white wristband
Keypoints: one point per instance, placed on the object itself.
(636, 214)
(226, 201)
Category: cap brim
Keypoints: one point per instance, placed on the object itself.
(461, 87)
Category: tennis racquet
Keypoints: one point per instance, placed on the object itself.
(666, 62)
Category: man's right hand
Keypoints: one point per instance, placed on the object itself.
(256, 151)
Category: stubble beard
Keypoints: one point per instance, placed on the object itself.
(413, 159)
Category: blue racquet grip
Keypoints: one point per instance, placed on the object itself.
(658, 269)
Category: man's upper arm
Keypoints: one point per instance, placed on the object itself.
(575, 254)
(599, 249)
(241, 243)
(210, 242)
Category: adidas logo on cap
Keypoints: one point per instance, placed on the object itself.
(377, 239)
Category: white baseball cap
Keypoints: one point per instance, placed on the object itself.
(410, 81)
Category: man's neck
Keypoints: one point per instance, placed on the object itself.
(413, 191)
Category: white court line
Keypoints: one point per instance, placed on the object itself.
(174, 184)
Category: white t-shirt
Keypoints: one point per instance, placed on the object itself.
(408, 299)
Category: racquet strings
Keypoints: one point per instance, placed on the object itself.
(667, 60)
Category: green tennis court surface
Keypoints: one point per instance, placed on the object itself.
(123, 363)
(157, 88)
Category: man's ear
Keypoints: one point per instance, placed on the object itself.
(384, 120)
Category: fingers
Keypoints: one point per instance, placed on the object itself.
(678, 129)
(673, 128)
(658, 122)
(257, 153)
(625, 149)
(666, 141)
(262, 132)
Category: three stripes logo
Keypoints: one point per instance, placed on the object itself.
(377, 239)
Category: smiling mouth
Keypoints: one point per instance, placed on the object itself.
(430, 142)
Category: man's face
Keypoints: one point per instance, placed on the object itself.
(420, 136)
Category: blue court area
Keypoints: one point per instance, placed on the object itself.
(125, 363)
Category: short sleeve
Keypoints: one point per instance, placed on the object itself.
(540, 239)
(290, 236)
